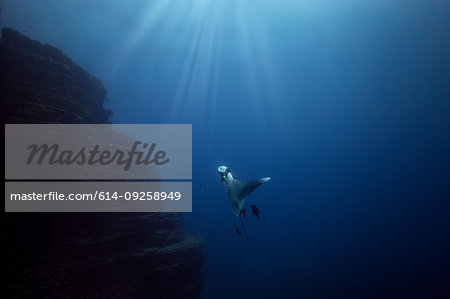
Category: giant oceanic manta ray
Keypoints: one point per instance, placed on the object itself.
(237, 190)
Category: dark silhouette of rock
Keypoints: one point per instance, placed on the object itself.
(40, 84)
(83, 254)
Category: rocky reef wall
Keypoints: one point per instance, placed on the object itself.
(83, 254)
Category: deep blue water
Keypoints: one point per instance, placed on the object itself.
(344, 104)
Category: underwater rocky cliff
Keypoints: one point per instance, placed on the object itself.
(83, 254)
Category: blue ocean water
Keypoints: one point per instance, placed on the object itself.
(344, 104)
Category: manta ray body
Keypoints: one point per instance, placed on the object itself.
(238, 190)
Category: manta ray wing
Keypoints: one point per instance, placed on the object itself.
(243, 190)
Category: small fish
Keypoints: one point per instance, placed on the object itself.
(255, 211)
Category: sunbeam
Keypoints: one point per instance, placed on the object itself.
(196, 40)
(146, 23)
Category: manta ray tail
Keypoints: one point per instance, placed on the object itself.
(245, 232)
